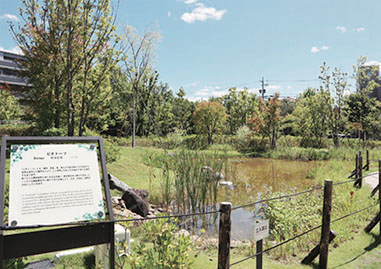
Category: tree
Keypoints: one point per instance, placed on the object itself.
(266, 121)
(68, 56)
(335, 84)
(138, 55)
(10, 108)
(362, 110)
(240, 106)
(312, 117)
(209, 118)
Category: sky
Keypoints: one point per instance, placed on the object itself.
(208, 46)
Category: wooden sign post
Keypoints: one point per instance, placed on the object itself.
(261, 231)
(55, 180)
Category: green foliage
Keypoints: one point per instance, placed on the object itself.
(67, 59)
(240, 106)
(14, 264)
(112, 150)
(167, 251)
(54, 132)
(10, 108)
(17, 130)
(292, 216)
(209, 118)
(266, 121)
(312, 116)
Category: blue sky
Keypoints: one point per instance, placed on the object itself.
(208, 46)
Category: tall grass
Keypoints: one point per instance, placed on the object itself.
(289, 217)
(190, 178)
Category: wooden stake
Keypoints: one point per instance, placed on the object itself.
(259, 258)
(357, 165)
(373, 223)
(379, 189)
(224, 235)
(326, 223)
(360, 171)
(367, 160)
(315, 251)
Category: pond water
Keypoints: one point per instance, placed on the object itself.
(251, 177)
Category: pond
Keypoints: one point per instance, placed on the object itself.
(251, 177)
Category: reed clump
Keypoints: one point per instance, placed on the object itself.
(189, 181)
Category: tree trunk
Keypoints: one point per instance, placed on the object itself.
(69, 88)
(134, 120)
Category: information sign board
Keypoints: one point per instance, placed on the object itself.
(261, 229)
(54, 183)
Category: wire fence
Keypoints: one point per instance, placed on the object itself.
(9, 228)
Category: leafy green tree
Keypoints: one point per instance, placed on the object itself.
(68, 56)
(312, 116)
(266, 121)
(362, 110)
(209, 118)
(240, 106)
(182, 110)
(10, 108)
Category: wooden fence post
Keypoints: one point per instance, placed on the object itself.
(326, 223)
(259, 258)
(367, 160)
(360, 171)
(224, 235)
(357, 166)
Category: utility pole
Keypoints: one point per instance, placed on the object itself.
(263, 90)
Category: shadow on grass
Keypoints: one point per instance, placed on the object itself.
(374, 244)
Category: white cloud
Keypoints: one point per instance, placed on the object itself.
(203, 13)
(202, 92)
(206, 92)
(341, 28)
(169, 14)
(188, 2)
(9, 17)
(360, 29)
(316, 49)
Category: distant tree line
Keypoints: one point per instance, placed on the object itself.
(85, 76)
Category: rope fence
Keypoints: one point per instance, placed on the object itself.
(225, 221)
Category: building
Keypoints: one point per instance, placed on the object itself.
(372, 73)
(10, 74)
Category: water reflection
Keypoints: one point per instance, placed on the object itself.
(251, 177)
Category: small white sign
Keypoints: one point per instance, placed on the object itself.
(261, 229)
(51, 184)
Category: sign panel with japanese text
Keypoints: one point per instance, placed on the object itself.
(51, 184)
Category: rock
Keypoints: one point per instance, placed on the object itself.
(135, 202)
(142, 193)
(115, 183)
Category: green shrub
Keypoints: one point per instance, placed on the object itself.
(17, 130)
(166, 251)
(112, 150)
(55, 132)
